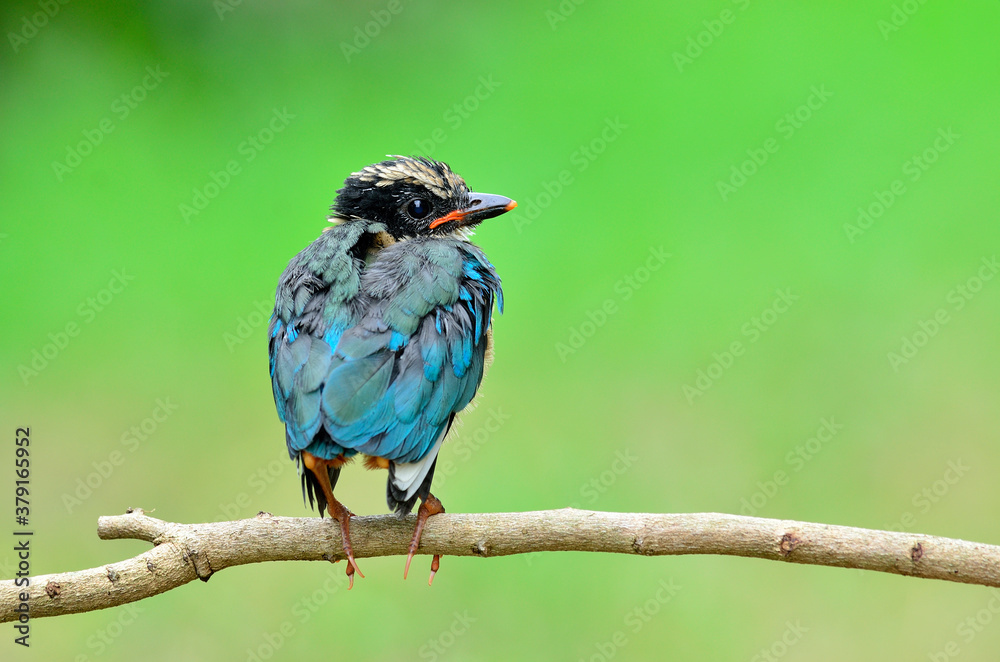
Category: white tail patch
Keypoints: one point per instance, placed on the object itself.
(411, 476)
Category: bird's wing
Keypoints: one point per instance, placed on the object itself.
(386, 370)
(313, 306)
(416, 356)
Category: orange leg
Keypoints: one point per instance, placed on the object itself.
(336, 509)
(430, 506)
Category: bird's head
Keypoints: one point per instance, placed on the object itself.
(415, 196)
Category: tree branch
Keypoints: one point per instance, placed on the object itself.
(184, 552)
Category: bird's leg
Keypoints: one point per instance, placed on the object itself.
(430, 506)
(340, 512)
(337, 511)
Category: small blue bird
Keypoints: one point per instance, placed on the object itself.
(381, 334)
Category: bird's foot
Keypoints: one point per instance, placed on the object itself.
(430, 506)
(340, 513)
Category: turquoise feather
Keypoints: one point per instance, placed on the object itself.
(376, 355)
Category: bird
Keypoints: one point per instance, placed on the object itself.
(381, 333)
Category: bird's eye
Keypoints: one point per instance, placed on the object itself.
(418, 208)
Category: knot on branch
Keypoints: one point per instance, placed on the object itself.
(641, 541)
(789, 542)
(199, 561)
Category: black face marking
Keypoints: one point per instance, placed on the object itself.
(404, 193)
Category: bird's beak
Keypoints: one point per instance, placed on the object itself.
(481, 206)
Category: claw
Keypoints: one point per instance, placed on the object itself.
(435, 566)
(430, 506)
(409, 558)
(414, 544)
(343, 516)
(354, 567)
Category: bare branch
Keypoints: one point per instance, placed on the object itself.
(184, 552)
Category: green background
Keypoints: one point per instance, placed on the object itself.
(186, 328)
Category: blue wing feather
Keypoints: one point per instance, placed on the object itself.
(379, 358)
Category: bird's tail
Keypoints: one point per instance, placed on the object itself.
(401, 501)
(411, 481)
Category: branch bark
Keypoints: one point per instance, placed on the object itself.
(184, 552)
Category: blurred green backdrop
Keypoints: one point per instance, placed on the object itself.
(741, 225)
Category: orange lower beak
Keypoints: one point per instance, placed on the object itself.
(481, 206)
